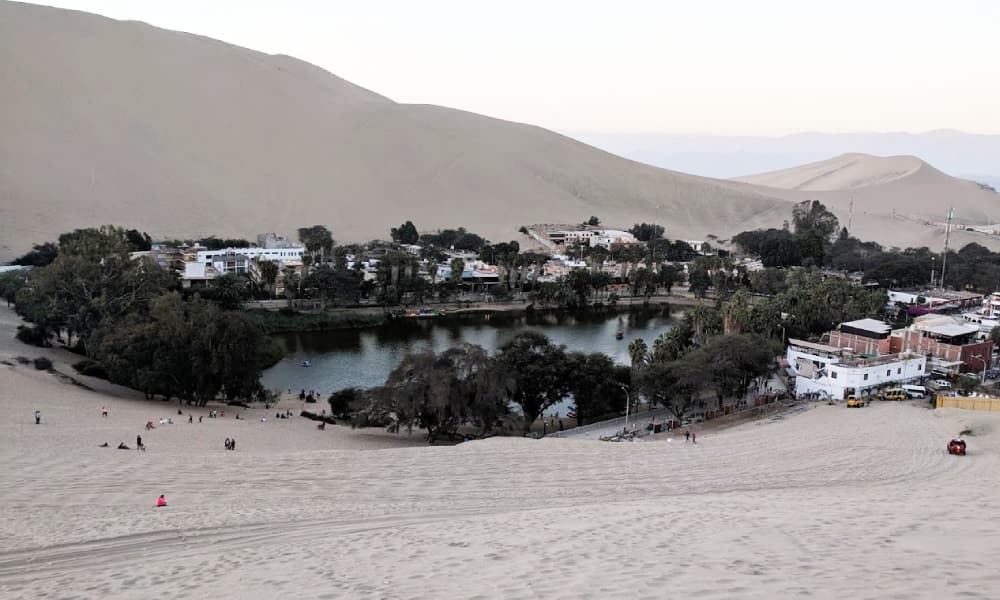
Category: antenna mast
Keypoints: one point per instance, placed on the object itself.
(947, 236)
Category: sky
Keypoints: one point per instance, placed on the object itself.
(722, 67)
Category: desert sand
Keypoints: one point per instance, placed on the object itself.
(826, 503)
(120, 122)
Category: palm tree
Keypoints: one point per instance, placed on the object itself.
(638, 353)
(268, 274)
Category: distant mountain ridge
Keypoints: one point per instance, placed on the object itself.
(954, 152)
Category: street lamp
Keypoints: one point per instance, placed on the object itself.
(628, 403)
(982, 360)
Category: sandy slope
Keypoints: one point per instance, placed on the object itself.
(892, 194)
(844, 172)
(119, 121)
(106, 121)
(830, 503)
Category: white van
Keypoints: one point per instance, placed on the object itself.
(914, 391)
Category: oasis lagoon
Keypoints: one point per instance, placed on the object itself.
(364, 357)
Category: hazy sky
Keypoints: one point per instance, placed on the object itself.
(763, 67)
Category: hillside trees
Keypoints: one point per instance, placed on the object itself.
(405, 233)
(121, 313)
(534, 372)
(645, 232)
(596, 383)
(438, 393)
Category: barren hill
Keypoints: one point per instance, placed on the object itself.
(177, 134)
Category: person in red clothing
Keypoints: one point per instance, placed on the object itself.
(161, 501)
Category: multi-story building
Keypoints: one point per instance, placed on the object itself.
(954, 344)
(864, 336)
(838, 373)
(274, 254)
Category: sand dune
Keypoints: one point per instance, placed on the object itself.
(108, 121)
(830, 503)
(895, 194)
(845, 172)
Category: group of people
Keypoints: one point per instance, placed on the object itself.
(310, 397)
(230, 443)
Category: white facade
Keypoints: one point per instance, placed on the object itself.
(606, 238)
(831, 373)
(272, 254)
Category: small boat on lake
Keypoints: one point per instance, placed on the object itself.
(307, 363)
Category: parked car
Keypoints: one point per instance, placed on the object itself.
(992, 373)
(915, 391)
(942, 383)
(853, 402)
(894, 394)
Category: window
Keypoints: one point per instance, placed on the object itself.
(833, 374)
(866, 376)
(920, 367)
(888, 372)
(899, 370)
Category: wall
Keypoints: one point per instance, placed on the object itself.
(914, 342)
(861, 344)
(969, 403)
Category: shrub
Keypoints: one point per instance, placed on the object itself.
(32, 335)
(43, 364)
(315, 417)
(24, 360)
(90, 368)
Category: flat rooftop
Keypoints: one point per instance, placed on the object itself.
(873, 325)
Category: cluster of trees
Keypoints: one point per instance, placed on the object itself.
(42, 255)
(465, 387)
(816, 241)
(680, 370)
(814, 228)
(127, 315)
(458, 239)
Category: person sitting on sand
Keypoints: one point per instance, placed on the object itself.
(122, 446)
(227, 444)
(161, 501)
(104, 445)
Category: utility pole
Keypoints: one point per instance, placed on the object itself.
(947, 236)
(850, 216)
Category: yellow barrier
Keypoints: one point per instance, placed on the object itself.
(969, 403)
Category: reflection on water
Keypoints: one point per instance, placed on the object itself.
(364, 357)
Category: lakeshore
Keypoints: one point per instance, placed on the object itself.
(307, 316)
(766, 509)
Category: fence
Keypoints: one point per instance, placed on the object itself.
(985, 403)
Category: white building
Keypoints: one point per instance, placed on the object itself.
(282, 255)
(608, 238)
(836, 373)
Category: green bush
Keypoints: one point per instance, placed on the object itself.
(32, 335)
(90, 368)
(43, 364)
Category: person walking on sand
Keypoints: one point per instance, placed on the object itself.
(687, 436)
(694, 438)
(38, 417)
(232, 444)
(104, 411)
(138, 443)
